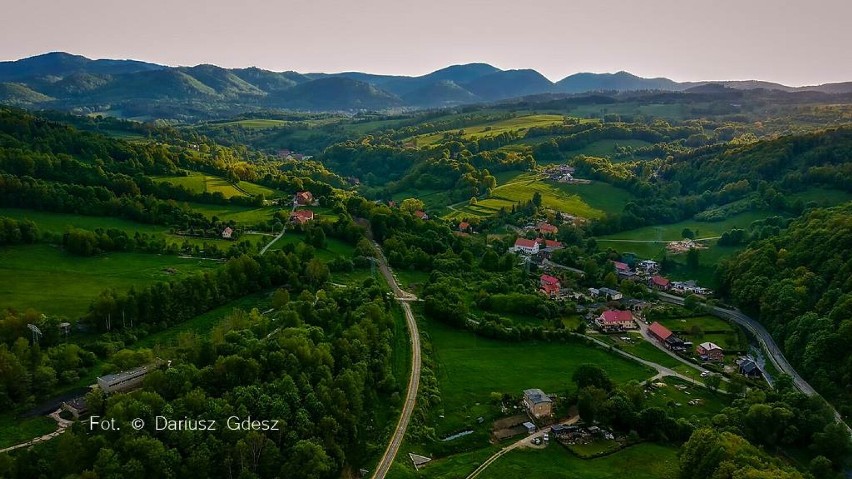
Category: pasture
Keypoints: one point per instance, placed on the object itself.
(53, 282)
(676, 401)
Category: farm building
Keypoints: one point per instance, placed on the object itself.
(537, 403)
(227, 233)
(548, 246)
(615, 320)
(666, 337)
(523, 245)
(124, 380)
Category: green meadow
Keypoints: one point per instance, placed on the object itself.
(203, 183)
(591, 201)
(46, 279)
(482, 130)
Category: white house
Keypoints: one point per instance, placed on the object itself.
(523, 245)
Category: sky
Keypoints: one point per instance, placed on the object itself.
(788, 41)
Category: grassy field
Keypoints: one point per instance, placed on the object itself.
(62, 222)
(669, 397)
(203, 183)
(255, 123)
(660, 110)
(587, 201)
(470, 368)
(638, 462)
(54, 282)
(492, 129)
(334, 247)
(204, 323)
(247, 215)
(14, 431)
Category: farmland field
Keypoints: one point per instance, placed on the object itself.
(247, 215)
(54, 282)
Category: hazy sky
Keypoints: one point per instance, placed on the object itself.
(789, 41)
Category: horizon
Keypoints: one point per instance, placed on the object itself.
(761, 40)
(552, 80)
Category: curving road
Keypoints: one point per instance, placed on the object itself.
(413, 380)
(766, 342)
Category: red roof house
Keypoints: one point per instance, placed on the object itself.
(464, 226)
(658, 331)
(615, 320)
(549, 285)
(421, 214)
(525, 246)
(659, 282)
(302, 216)
(711, 351)
(547, 228)
(619, 266)
(304, 198)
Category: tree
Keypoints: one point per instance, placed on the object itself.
(712, 381)
(693, 259)
(610, 280)
(687, 233)
(473, 201)
(536, 199)
(592, 375)
(280, 298)
(317, 272)
(410, 205)
(589, 402)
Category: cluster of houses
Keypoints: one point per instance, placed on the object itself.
(647, 271)
(301, 217)
(292, 155)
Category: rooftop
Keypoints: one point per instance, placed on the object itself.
(536, 396)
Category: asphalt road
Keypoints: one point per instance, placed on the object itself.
(414, 379)
(766, 342)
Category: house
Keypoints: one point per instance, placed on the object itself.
(421, 214)
(537, 403)
(689, 287)
(464, 226)
(227, 233)
(621, 267)
(547, 228)
(523, 245)
(659, 282)
(303, 198)
(710, 351)
(615, 320)
(301, 216)
(77, 407)
(125, 380)
(748, 368)
(610, 294)
(549, 246)
(647, 267)
(549, 285)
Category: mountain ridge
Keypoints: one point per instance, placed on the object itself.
(65, 80)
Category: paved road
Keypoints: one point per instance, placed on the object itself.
(766, 342)
(413, 380)
(283, 230)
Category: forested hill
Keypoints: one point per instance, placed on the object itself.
(799, 284)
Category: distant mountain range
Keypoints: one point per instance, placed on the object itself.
(62, 80)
